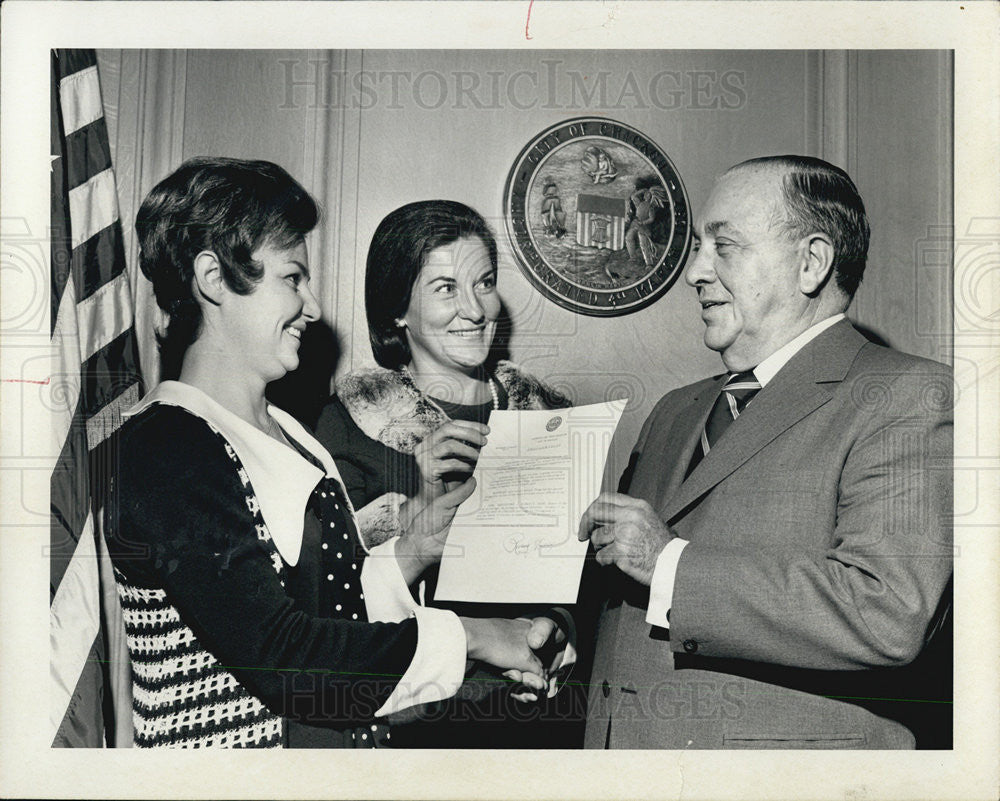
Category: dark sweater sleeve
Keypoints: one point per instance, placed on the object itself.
(182, 508)
(369, 468)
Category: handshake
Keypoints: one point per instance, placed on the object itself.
(529, 652)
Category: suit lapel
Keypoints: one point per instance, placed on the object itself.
(685, 435)
(799, 388)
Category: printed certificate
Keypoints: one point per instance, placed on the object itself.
(514, 540)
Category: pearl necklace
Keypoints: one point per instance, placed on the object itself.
(494, 393)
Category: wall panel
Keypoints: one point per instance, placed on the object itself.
(903, 148)
(439, 144)
(368, 131)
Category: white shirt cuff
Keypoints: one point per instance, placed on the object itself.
(438, 666)
(387, 598)
(661, 589)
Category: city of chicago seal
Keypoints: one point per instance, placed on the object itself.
(598, 216)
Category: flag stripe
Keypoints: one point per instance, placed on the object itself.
(118, 667)
(64, 386)
(88, 153)
(74, 623)
(61, 252)
(85, 710)
(97, 261)
(108, 373)
(93, 206)
(80, 98)
(83, 330)
(113, 368)
(68, 501)
(69, 62)
(104, 316)
(88, 392)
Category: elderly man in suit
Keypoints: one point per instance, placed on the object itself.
(782, 555)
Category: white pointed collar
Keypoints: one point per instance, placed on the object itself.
(770, 366)
(282, 479)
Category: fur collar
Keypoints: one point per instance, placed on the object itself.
(389, 408)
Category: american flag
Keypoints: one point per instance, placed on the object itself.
(95, 378)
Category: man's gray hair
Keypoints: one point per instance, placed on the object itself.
(822, 198)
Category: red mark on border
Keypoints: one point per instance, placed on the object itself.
(527, 22)
(25, 381)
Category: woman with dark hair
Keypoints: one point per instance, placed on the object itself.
(249, 599)
(404, 432)
(408, 432)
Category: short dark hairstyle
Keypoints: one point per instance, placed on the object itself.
(822, 197)
(400, 244)
(231, 207)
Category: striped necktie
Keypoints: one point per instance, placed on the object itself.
(738, 391)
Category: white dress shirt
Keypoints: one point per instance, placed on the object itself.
(661, 588)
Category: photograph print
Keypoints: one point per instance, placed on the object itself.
(696, 309)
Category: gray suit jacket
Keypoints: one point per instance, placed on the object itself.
(820, 550)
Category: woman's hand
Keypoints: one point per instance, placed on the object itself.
(452, 450)
(422, 542)
(504, 644)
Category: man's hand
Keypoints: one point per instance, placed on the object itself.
(422, 543)
(548, 640)
(625, 532)
(451, 450)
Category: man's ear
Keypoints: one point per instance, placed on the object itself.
(208, 281)
(817, 264)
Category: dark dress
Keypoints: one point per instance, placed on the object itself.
(482, 714)
(369, 468)
(295, 637)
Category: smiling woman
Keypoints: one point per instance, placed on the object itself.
(453, 311)
(249, 602)
(406, 433)
(409, 432)
(263, 330)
